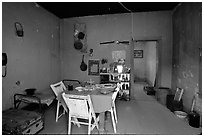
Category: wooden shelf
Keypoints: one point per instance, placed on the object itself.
(124, 93)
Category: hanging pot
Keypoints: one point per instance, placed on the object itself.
(81, 35)
(78, 45)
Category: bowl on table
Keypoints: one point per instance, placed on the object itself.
(98, 86)
(89, 87)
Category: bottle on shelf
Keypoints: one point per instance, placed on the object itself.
(127, 86)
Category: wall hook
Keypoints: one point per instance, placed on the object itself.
(91, 52)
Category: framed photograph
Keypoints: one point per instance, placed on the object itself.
(138, 53)
(93, 67)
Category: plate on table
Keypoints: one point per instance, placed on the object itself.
(105, 91)
(108, 86)
(79, 88)
(111, 88)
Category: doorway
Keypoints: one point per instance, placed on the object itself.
(146, 62)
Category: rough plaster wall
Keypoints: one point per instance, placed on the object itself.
(187, 19)
(150, 62)
(116, 27)
(33, 60)
(96, 32)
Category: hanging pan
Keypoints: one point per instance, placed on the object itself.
(83, 65)
(81, 35)
(78, 45)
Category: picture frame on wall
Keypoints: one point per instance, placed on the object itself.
(93, 67)
(138, 53)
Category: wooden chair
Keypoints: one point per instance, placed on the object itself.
(113, 109)
(80, 107)
(178, 94)
(58, 88)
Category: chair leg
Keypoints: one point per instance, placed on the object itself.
(113, 120)
(96, 122)
(89, 126)
(57, 111)
(76, 122)
(114, 109)
(63, 111)
(69, 125)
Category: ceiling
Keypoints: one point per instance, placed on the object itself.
(79, 9)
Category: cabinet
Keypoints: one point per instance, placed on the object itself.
(122, 79)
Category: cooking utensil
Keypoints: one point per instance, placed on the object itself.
(83, 65)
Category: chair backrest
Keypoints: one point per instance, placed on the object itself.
(115, 92)
(71, 82)
(79, 106)
(58, 88)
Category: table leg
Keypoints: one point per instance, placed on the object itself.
(102, 123)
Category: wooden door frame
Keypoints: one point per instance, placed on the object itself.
(158, 39)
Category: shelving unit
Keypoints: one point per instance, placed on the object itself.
(123, 79)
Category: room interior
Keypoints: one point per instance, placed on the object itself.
(46, 54)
